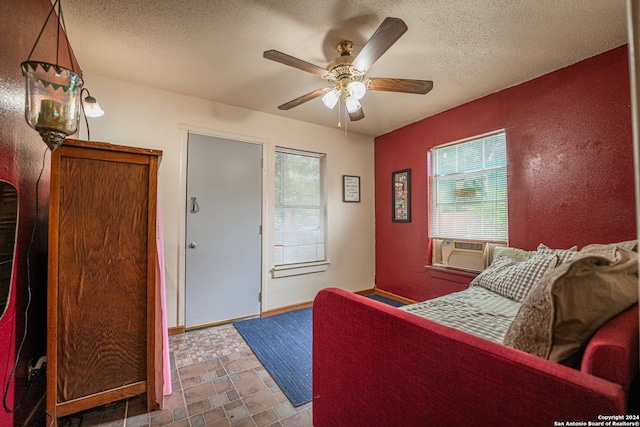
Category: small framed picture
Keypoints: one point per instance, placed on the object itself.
(350, 188)
(401, 195)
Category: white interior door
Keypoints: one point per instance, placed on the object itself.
(223, 236)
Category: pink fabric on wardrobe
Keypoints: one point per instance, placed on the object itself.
(166, 365)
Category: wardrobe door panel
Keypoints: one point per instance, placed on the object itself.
(102, 330)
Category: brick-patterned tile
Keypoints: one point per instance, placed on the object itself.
(217, 381)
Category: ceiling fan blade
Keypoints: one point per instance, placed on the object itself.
(399, 85)
(289, 60)
(385, 36)
(304, 98)
(357, 115)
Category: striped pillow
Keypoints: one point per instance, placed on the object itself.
(513, 279)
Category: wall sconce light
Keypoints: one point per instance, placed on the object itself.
(90, 108)
(52, 102)
(90, 105)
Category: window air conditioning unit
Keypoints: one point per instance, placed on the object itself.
(470, 255)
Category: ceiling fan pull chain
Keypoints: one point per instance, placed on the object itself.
(346, 122)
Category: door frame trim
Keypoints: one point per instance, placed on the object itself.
(185, 129)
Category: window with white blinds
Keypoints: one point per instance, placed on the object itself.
(299, 207)
(469, 189)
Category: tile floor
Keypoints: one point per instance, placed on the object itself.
(217, 381)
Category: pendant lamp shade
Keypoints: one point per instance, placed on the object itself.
(53, 92)
(52, 103)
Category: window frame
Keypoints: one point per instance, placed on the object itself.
(301, 266)
(432, 190)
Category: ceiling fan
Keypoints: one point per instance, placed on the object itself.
(347, 73)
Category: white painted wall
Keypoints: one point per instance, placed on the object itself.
(144, 117)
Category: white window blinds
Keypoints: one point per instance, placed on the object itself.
(469, 190)
(299, 207)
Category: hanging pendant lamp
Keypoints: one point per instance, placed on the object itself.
(53, 92)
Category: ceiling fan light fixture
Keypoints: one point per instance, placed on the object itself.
(352, 104)
(357, 89)
(330, 99)
(346, 74)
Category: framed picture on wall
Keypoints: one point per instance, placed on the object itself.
(350, 188)
(401, 195)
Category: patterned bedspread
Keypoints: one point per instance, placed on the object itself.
(475, 310)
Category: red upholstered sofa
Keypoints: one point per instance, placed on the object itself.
(375, 365)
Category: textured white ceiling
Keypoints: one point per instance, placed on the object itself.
(213, 49)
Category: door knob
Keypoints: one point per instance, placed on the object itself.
(192, 245)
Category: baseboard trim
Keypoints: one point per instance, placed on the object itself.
(176, 330)
(287, 308)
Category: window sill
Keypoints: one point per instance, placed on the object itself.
(450, 274)
(299, 269)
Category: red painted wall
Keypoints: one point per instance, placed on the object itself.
(570, 168)
(21, 159)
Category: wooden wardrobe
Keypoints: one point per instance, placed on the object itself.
(104, 339)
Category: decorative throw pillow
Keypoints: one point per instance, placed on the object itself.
(513, 279)
(573, 300)
(564, 255)
(513, 253)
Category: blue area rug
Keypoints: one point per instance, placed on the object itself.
(386, 300)
(283, 344)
